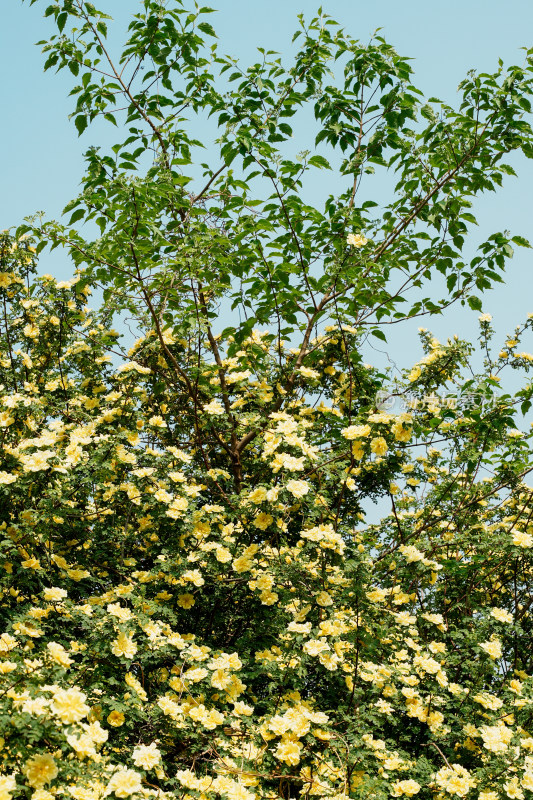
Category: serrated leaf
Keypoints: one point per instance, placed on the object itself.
(320, 162)
(205, 27)
(475, 303)
(521, 241)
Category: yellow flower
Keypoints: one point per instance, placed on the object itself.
(401, 434)
(6, 279)
(69, 705)
(358, 451)
(242, 709)
(426, 664)
(168, 337)
(489, 701)
(146, 756)
(379, 446)
(513, 790)
(37, 461)
(136, 685)
(258, 495)
(59, 654)
(78, 574)
(288, 750)
(262, 521)
(178, 505)
(501, 615)
(356, 431)
(193, 576)
(493, 648)
(7, 643)
(125, 782)
(185, 600)
(522, 539)
(377, 595)
(124, 646)
(286, 461)
(415, 373)
(116, 719)
(324, 599)
(31, 331)
(220, 679)
(214, 408)
(315, 646)
(268, 598)
(307, 372)
(407, 787)
(455, 780)
(54, 594)
(496, 738)
(356, 240)
(8, 785)
(40, 769)
(242, 564)
(411, 553)
(83, 745)
(122, 613)
(298, 488)
(163, 496)
(31, 563)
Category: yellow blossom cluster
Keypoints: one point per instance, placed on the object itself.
(186, 618)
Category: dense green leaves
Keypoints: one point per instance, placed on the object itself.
(290, 257)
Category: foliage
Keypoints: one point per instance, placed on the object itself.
(195, 599)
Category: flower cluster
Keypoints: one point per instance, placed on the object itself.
(180, 620)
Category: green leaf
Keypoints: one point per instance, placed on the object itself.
(22, 230)
(205, 27)
(80, 123)
(521, 241)
(77, 215)
(61, 21)
(474, 303)
(320, 162)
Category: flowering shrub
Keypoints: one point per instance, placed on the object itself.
(173, 625)
(226, 570)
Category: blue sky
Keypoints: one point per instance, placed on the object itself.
(42, 157)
